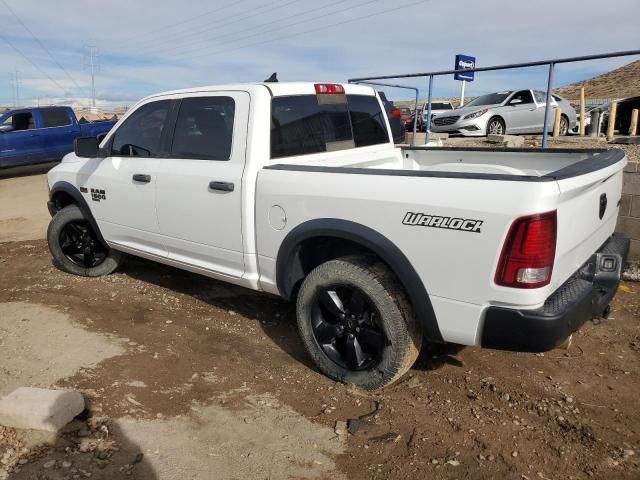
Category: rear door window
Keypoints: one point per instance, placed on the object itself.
(55, 118)
(367, 118)
(141, 134)
(300, 125)
(204, 128)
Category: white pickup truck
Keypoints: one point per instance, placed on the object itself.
(296, 189)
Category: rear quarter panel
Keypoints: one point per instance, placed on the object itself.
(456, 267)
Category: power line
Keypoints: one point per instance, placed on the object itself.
(311, 30)
(34, 65)
(238, 18)
(166, 27)
(288, 17)
(41, 45)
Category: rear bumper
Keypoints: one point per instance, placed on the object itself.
(583, 297)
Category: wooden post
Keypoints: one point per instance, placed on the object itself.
(634, 122)
(612, 120)
(556, 123)
(583, 120)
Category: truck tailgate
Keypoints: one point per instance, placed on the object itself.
(587, 215)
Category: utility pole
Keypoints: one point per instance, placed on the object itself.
(92, 65)
(14, 78)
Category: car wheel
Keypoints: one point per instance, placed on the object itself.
(496, 126)
(76, 248)
(356, 322)
(564, 126)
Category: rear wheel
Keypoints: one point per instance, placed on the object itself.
(496, 126)
(564, 126)
(356, 322)
(75, 246)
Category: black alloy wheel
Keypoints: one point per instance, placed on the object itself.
(81, 246)
(346, 326)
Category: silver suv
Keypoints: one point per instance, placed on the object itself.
(516, 111)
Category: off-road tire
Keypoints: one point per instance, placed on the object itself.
(379, 284)
(60, 220)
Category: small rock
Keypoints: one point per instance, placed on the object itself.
(453, 463)
(341, 428)
(628, 453)
(568, 399)
(434, 462)
(66, 464)
(491, 458)
(414, 382)
(514, 454)
(49, 464)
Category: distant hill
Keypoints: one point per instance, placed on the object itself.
(620, 83)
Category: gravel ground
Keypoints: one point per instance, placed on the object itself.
(199, 350)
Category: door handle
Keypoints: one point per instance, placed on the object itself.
(141, 177)
(222, 186)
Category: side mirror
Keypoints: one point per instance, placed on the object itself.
(515, 101)
(101, 137)
(6, 128)
(86, 147)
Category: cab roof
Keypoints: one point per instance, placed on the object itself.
(277, 89)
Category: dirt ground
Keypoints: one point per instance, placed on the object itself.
(189, 378)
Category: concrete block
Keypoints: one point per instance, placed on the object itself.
(625, 205)
(635, 206)
(629, 226)
(631, 167)
(634, 251)
(511, 141)
(631, 184)
(40, 409)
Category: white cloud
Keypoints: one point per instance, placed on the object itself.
(149, 46)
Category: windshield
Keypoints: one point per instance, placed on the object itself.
(491, 99)
(439, 106)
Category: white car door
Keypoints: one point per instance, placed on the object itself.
(199, 189)
(122, 186)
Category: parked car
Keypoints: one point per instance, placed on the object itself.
(298, 190)
(39, 135)
(517, 112)
(436, 108)
(398, 129)
(623, 115)
(406, 116)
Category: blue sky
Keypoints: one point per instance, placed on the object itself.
(151, 46)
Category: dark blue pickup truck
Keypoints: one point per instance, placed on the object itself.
(45, 134)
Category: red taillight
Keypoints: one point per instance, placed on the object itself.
(329, 89)
(574, 106)
(396, 113)
(529, 251)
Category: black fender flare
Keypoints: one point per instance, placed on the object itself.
(79, 200)
(289, 270)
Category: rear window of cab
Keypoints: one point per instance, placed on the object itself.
(302, 125)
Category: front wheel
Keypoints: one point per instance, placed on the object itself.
(496, 126)
(356, 322)
(75, 247)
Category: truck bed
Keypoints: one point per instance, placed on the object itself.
(379, 187)
(480, 163)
